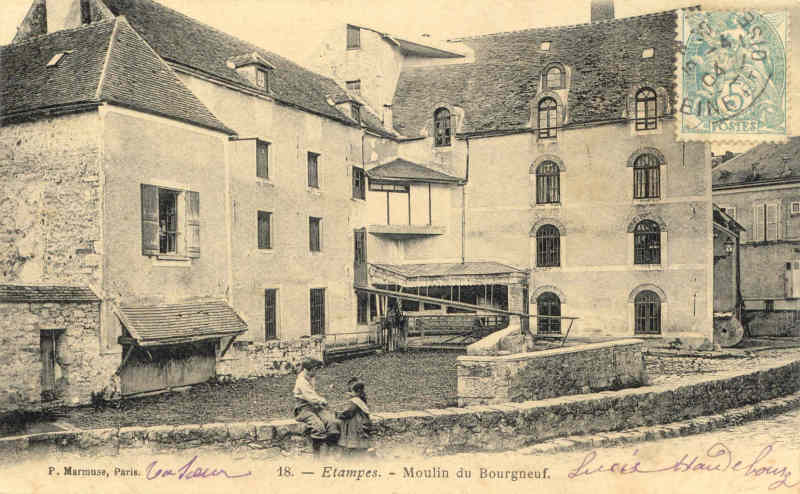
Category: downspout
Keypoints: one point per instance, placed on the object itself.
(464, 209)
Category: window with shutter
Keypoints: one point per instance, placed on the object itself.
(262, 159)
(264, 230)
(167, 228)
(150, 227)
(771, 222)
(359, 183)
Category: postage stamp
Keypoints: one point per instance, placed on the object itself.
(733, 76)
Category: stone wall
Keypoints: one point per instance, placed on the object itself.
(248, 359)
(80, 368)
(486, 379)
(432, 432)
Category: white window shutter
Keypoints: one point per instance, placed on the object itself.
(772, 222)
(758, 223)
(192, 224)
(150, 227)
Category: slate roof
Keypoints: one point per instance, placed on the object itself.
(496, 90)
(175, 323)
(401, 169)
(773, 162)
(104, 62)
(46, 293)
(185, 41)
(448, 269)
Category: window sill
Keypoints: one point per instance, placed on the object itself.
(265, 181)
(314, 190)
(172, 261)
(548, 268)
(646, 200)
(358, 199)
(648, 267)
(547, 205)
(266, 251)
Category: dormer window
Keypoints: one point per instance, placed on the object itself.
(356, 112)
(353, 38)
(254, 68)
(262, 79)
(354, 86)
(441, 128)
(648, 53)
(554, 78)
(545, 46)
(548, 118)
(646, 104)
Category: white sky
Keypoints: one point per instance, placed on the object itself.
(291, 27)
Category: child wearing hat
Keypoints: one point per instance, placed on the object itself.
(312, 409)
(356, 424)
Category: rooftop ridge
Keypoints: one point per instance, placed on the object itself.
(39, 37)
(572, 26)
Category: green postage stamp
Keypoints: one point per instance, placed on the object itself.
(733, 75)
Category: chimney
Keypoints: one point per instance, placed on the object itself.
(602, 10)
(387, 117)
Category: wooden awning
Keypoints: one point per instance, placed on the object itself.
(154, 325)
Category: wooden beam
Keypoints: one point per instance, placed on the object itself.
(124, 359)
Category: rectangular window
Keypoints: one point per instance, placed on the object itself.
(170, 222)
(353, 37)
(270, 314)
(379, 187)
(765, 222)
(262, 159)
(356, 110)
(264, 230)
(262, 80)
(796, 208)
(317, 305)
(313, 170)
(314, 234)
(359, 182)
(363, 307)
(354, 86)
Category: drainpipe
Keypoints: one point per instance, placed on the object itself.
(464, 209)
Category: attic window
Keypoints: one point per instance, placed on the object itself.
(356, 110)
(262, 79)
(545, 46)
(353, 38)
(57, 58)
(648, 53)
(354, 86)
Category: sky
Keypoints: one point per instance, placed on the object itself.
(295, 28)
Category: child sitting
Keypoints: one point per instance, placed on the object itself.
(356, 424)
(311, 408)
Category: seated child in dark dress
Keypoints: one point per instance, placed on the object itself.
(356, 425)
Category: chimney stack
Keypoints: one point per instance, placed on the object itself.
(602, 10)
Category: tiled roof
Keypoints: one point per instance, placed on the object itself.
(773, 163)
(496, 91)
(187, 42)
(449, 269)
(175, 323)
(133, 76)
(403, 169)
(46, 293)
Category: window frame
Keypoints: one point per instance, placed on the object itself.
(548, 246)
(548, 115)
(313, 169)
(354, 86)
(442, 127)
(262, 75)
(548, 183)
(264, 230)
(314, 234)
(646, 177)
(353, 37)
(274, 326)
(355, 111)
(647, 307)
(647, 243)
(548, 304)
(316, 304)
(646, 101)
(262, 168)
(547, 78)
(359, 176)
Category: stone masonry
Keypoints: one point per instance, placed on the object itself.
(273, 357)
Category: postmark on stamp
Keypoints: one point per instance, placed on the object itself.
(733, 76)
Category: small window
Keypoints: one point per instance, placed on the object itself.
(647, 243)
(354, 86)
(262, 159)
(56, 59)
(262, 79)
(548, 308)
(554, 78)
(646, 104)
(441, 131)
(796, 208)
(545, 46)
(363, 308)
(314, 234)
(359, 182)
(317, 309)
(270, 314)
(264, 230)
(353, 37)
(356, 112)
(170, 221)
(313, 171)
(646, 177)
(548, 246)
(730, 211)
(380, 187)
(547, 183)
(548, 118)
(648, 53)
(647, 307)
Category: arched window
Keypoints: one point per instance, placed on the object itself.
(548, 309)
(647, 305)
(548, 246)
(646, 115)
(646, 177)
(554, 78)
(548, 186)
(647, 243)
(548, 118)
(441, 130)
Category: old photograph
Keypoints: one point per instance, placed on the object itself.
(415, 246)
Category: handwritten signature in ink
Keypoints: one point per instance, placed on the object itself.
(721, 460)
(189, 471)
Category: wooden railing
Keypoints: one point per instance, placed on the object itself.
(433, 325)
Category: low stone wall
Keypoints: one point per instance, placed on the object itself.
(80, 368)
(273, 357)
(489, 379)
(431, 432)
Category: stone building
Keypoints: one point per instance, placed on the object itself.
(561, 147)
(761, 190)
